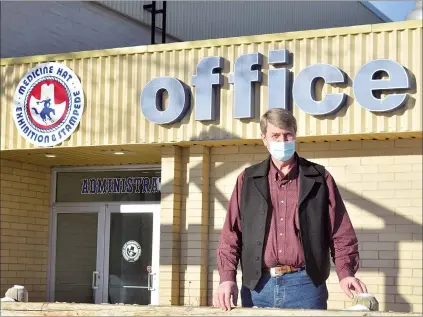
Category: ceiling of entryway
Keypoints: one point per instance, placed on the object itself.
(90, 155)
(151, 153)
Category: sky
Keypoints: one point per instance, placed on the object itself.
(396, 10)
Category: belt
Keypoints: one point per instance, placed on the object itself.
(283, 269)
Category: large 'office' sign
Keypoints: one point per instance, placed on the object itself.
(247, 73)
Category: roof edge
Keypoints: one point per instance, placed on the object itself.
(376, 11)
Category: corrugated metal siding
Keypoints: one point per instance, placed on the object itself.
(186, 19)
(53, 27)
(133, 9)
(113, 84)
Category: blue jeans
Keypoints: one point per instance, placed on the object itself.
(294, 290)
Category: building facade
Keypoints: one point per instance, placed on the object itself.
(120, 195)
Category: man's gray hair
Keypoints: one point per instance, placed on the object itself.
(281, 118)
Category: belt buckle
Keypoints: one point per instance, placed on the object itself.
(274, 273)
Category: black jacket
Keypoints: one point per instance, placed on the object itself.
(256, 211)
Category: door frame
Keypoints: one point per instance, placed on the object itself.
(53, 215)
(136, 208)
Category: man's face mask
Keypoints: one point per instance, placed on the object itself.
(279, 142)
(282, 151)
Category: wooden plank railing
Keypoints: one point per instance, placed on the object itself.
(71, 309)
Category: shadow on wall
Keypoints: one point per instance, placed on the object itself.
(390, 218)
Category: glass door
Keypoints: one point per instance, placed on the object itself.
(131, 254)
(77, 254)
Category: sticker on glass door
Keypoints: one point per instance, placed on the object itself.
(131, 251)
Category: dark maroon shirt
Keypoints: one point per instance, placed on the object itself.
(283, 245)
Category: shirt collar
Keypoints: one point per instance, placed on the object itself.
(276, 175)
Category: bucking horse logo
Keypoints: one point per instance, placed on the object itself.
(130, 251)
(45, 112)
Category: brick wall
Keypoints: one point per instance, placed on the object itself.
(194, 226)
(170, 226)
(24, 218)
(381, 184)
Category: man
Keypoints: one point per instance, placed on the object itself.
(285, 218)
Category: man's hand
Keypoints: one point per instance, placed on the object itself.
(350, 283)
(225, 291)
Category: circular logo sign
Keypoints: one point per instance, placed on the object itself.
(131, 251)
(48, 104)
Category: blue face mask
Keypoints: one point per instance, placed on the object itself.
(282, 151)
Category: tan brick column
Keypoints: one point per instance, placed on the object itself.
(195, 234)
(24, 223)
(170, 211)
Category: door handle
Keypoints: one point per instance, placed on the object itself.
(95, 278)
(150, 281)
